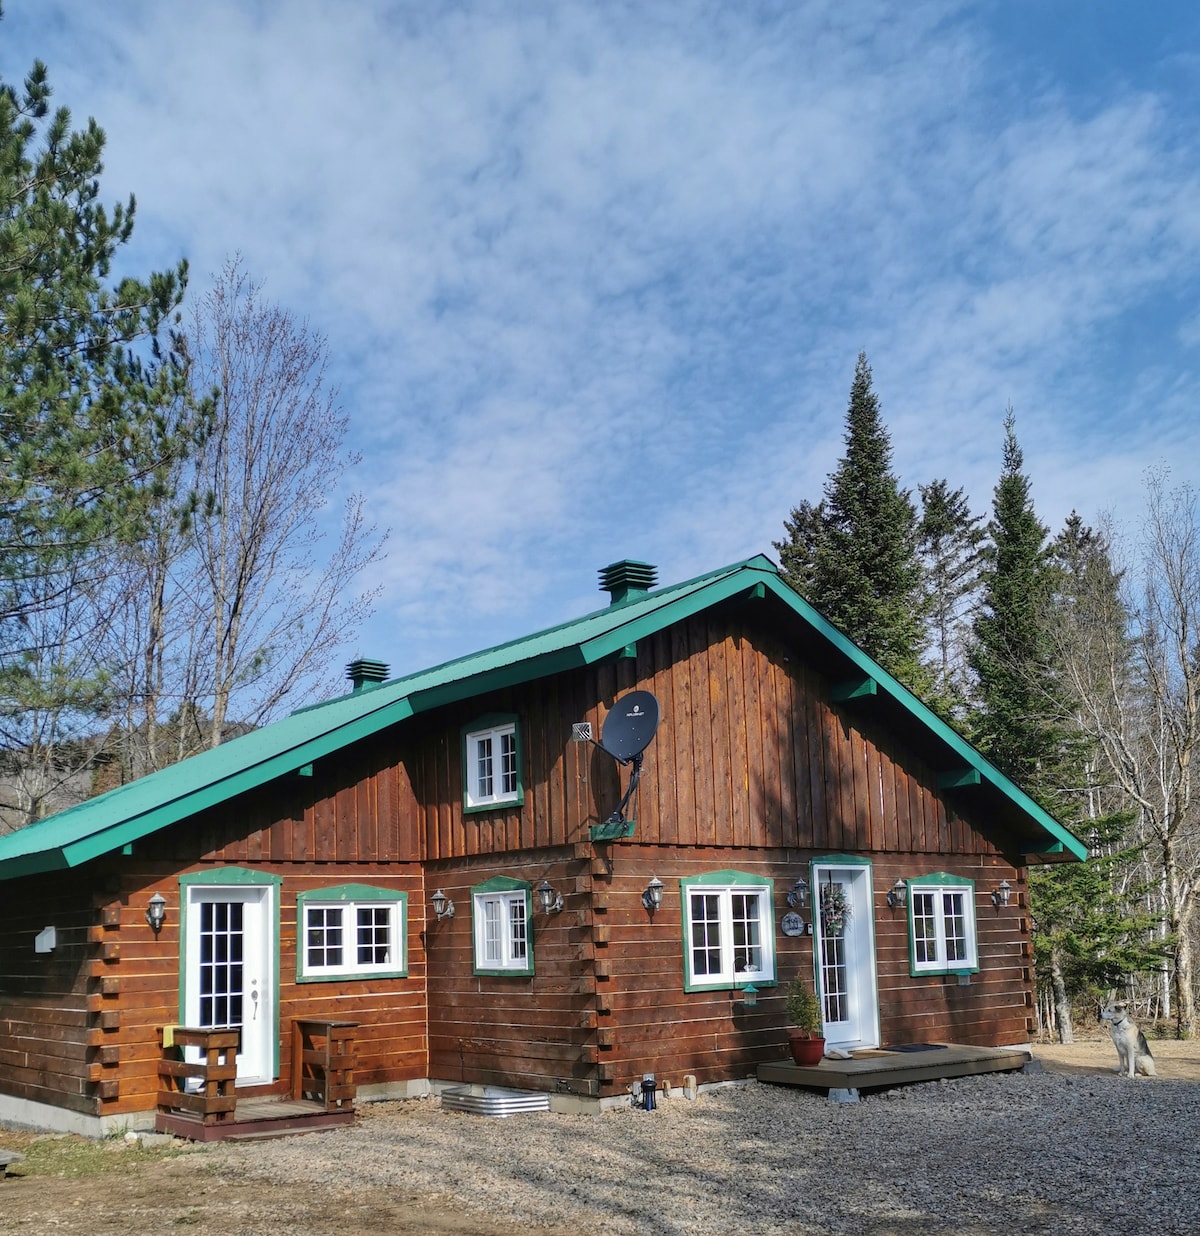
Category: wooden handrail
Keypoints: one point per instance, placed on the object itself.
(205, 1087)
(323, 1058)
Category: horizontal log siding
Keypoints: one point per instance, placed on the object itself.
(606, 1003)
(44, 997)
(750, 752)
(662, 1029)
(110, 1021)
(532, 1031)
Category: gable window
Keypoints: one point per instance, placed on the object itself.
(941, 925)
(501, 914)
(728, 930)
(351, 930)
(491, 763)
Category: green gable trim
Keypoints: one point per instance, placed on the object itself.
(360, 894)
(232, 877)
(288, 747)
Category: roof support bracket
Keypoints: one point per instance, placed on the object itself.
(853, 689)
(956, 778)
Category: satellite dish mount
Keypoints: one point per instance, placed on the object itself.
(628, 730)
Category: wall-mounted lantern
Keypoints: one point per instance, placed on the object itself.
(1001, 894)
(652, 895)
(897, 895)
(550, 900)
(156, 912)
(443, 907)
(797, 896)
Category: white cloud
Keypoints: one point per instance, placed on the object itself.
(594, 276)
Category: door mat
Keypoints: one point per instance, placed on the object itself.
(916, 1047)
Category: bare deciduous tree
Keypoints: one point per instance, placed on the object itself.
(274, 604)
(1140, 701)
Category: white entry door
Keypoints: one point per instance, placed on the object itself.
(844, 930)
(229, 981)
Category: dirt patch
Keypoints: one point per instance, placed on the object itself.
(72, 1184)
(1173, 1059)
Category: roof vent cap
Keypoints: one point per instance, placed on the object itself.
(627, 579)
(364, 673)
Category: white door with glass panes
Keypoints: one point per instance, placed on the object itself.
(844, 935)
(228, 978)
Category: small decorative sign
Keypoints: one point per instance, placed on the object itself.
(792, 924)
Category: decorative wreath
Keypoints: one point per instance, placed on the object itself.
(835, 909)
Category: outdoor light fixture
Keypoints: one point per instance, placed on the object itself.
(797, 896)
(1000, 894)
(551, 901)
(443, 907)
(156, 912)
(652, 895)
(898, 894)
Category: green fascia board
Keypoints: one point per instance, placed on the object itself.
(286, 747)
(925, 715)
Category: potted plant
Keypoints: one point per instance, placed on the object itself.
(806, 1039)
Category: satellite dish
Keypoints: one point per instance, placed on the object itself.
(630, 726)
(628, 729)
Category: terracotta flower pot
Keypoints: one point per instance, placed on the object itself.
(806, 1049)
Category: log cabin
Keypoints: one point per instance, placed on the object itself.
(453, 870)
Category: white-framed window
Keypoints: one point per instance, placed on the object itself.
(501, 913)
(491, 763)
(728, 930)
(351, 930)
(941, 925)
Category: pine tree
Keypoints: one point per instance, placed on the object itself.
(93, 399)
(855, 553)
(85, 414)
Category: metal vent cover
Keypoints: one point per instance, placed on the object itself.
(581, 731)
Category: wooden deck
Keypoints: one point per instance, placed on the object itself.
(879, 1068)
(255, 1118)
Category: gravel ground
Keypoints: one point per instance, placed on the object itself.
(1026, 1152)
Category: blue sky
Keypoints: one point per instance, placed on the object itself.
(594, 276)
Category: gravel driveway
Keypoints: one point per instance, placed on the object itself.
(1013, 1153)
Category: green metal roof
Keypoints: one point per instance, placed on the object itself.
(132, 811)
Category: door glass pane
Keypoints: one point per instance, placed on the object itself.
(221, 953)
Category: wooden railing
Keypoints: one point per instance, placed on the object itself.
(204, 1088)
(323, 1062)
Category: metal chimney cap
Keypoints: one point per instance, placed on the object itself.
(627, 579)
(365, 673)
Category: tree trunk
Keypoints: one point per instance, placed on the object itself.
(1062, 1003)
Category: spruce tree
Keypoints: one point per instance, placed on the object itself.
(1017, 704)
(854, 555)
(952, 550)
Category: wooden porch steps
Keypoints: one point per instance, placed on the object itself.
(255, 1119)
(880, 1068)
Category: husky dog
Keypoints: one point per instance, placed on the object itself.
(1133, 1052)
